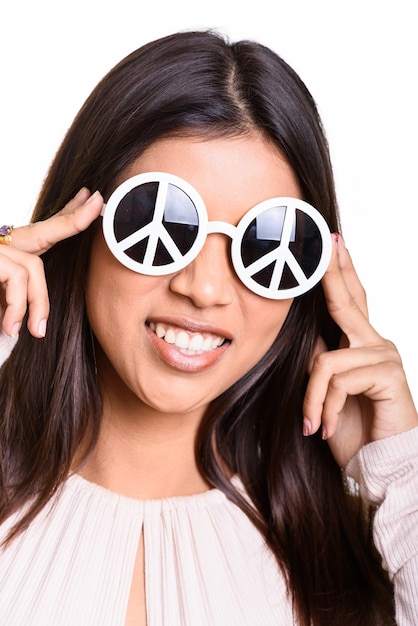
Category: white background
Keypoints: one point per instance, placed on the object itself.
(359, 59)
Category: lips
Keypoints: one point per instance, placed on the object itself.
(187, 342)
(186, 347)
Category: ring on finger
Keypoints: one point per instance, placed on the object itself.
(5, 235)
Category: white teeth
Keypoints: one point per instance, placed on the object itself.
(207, 344)
(196, 342)
(159, 331)
(170, 336)
(184, 341)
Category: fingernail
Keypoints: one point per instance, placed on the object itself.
(92, 197)
(42, 328)
(16, 329)
(324, 433)
(307, 427)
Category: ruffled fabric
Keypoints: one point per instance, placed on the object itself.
(205, 563)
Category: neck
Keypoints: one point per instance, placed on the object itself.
(143, 454)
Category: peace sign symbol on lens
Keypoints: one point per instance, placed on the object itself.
(156, 224)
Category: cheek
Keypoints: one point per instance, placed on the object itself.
(102, 286)
(268, 316)
(101, 307)
(113, 294)
(264, 322)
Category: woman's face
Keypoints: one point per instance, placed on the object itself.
(173, 343)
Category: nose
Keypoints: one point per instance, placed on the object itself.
(209, 279)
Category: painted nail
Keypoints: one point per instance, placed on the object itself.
(307, 427)
(16, 329)
(92, 197)
(80, 192)
(42, 328)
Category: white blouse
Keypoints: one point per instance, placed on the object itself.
(205, 563)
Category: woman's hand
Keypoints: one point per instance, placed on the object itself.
(22, 279)
(359, 392)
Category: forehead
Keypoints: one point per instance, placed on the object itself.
(236, 172)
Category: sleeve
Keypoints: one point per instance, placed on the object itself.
(387, 474)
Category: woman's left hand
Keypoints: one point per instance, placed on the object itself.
(359, 392)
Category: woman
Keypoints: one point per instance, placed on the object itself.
(172, 442)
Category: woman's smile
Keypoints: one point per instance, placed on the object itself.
(184, 349)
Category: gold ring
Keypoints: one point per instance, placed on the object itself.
(5, 235)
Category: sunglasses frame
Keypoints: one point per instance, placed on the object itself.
(281, 255)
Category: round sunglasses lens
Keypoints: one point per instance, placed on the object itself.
(175, 231)
(264, 235)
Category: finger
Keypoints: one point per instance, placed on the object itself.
(24, 285)
(348, 313)
(341, 386)
(75, 217)
(320, 347)
(329, 365)
(383, 384)
(350, 275)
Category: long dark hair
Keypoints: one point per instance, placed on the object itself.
(198, 83)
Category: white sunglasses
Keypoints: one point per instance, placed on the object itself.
(156, 224)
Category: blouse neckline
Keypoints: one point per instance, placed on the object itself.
(77, 483)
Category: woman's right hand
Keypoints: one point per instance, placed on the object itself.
(22, 278)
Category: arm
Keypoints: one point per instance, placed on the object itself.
(387, 473)
(359, 395)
